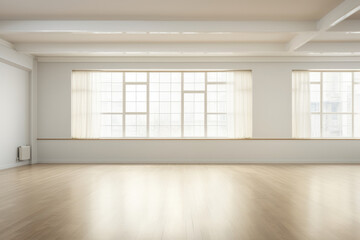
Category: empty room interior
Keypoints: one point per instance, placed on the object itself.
(180, 120)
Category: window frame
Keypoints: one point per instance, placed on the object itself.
(124, 113)
(321, 113)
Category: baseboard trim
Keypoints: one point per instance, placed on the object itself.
(197, 161)
(12, 165)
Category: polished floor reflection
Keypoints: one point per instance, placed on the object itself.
(247, 202)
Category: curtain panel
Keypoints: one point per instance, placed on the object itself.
(301, 115)
(85, 107)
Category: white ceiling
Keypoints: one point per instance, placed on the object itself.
(289, 10)
(147, 37)
(182, 27)
(355, 15)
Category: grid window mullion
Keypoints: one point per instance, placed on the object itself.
(147, 104)
(109, 99)
(321, 104)
(182, 104)
(205, 106)
(124, 105)
(128, 112)
(352, 104)
(337, 104)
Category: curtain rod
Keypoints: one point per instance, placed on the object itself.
(142, 70)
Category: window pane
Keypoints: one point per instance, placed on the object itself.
(194, 103)
(105, 77)
(106, 119)
(116, 107)
(216, 98)
(111, 125)
(357, 125)
(116, 77)
(136, 98)
(116, 131)
(165, 104)
(315, 77)
(315, 126)
(212, 77)
(105, 96)
(116, 96)
(217, 76)
(135, 125)
(194, 81)
(116, 87)
(175, 131)
(135, 77)
(194, 115)
(116, 119)
(357, 98)
(165, 77)
(217, 125)
(337, 125)
(130, 77)
(165, 96)
(357, 77)
(111, 95)
(105, 87)
(105, 106)
(337, 92)
(105, 131)
(164, 86)
(315, 97)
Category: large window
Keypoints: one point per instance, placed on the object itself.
(335, 104)
(201, 104)
(326, 104)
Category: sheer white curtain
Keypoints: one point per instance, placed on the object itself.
(242, 104)
(301, 117)
(85, 107)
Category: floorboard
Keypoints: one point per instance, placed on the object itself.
(247, 202)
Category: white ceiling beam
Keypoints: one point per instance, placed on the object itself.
(335, 16)
(42, 26)
(154, 26)
(201, 59)
(9, 56)
(299, 40)
(338, 14)
(200, 49)
(346, 26)
(6, 43)
(330, 48)
(258, 49)
(109, 48)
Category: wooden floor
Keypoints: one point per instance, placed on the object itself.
(125, 202)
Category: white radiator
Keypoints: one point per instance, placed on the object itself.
(24, 153)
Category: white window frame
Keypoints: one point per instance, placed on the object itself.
(147, 113)
(321, 113)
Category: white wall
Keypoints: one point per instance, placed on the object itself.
(271, 119)
(199, 151)
(15, 113)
